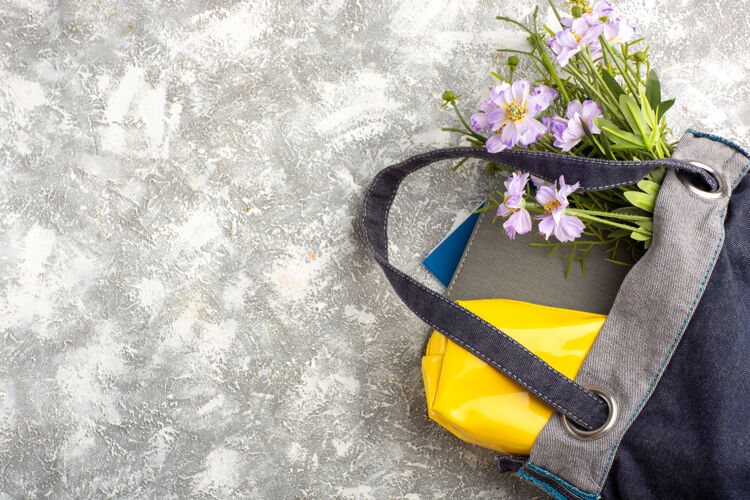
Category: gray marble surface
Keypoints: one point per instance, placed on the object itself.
(185, 306)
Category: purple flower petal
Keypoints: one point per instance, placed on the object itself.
(497, 118)
(533, 130)
(618, 31)
(510, 135)
(554, 221)
(538, 182)
(540, 99)
(568, 228)
(574, 131)
(516, 184)
(566, 189)
(499, 89)
(520, 91)
(518, 223)
(503, 210)
(546, 226)
(481, 121)
(545, 194)
(602, 8)
(495, 144)
(555, 124)
(565, 46)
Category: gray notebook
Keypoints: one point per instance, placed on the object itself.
(495, 267)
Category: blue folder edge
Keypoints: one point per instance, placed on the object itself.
(443, 260)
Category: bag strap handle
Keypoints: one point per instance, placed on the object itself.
(465, 328)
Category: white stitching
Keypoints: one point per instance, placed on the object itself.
(472, 316)
(504, 369)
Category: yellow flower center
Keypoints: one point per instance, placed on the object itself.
(551, 206)
(577, 36)
(588, 10)
(515, 111)
(512, 209)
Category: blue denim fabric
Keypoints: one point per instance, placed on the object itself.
(692, 439)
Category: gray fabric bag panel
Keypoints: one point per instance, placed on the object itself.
(649, 314)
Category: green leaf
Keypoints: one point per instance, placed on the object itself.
(629, 211)
(646, 225)
(637, 120)
(653, 89)
(657, 174)
(641, 200)
(618, 233)
(458, 165)
(664, 107)
(612, 84)
(620, 139)
(638, 236)
(649, 187)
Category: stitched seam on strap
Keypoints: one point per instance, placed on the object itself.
(563, 482)
(481, 356)
(475, 317)
(545, 154)
(668, 355)
(546, 487)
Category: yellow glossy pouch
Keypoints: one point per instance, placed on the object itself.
(481, 405)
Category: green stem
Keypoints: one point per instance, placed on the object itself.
(513, 21)
(614, 215)
(573, 243)
(515, 51)
(466, 125)
(551, 69)
(622, 69)
(581, 214)
(554, 9)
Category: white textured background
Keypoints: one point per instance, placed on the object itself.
(185, 306)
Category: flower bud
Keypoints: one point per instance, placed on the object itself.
(449, 96)
(576, 11)
(640, 56)
(513, 61)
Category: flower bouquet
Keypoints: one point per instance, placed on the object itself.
(595, 95)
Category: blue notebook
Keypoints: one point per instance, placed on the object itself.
(443, 260)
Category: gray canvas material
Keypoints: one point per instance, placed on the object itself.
(469, 330)
(649, 315)
(495, 267)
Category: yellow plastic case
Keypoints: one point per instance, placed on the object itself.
(479, 404)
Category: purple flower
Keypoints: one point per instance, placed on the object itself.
(480, 122)
(618, 31)
(513, 118)
(544, 96)
(600, 9)
(591, 14)
(555, 124)
(519, 221)
(554, 221)
(569, 42)
(576, 114)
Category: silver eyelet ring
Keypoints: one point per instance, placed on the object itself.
(613, 409)
(721, 191)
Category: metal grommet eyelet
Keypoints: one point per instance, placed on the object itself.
(721, 191)
(613, 409)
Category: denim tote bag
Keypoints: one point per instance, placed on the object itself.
(660, 407)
